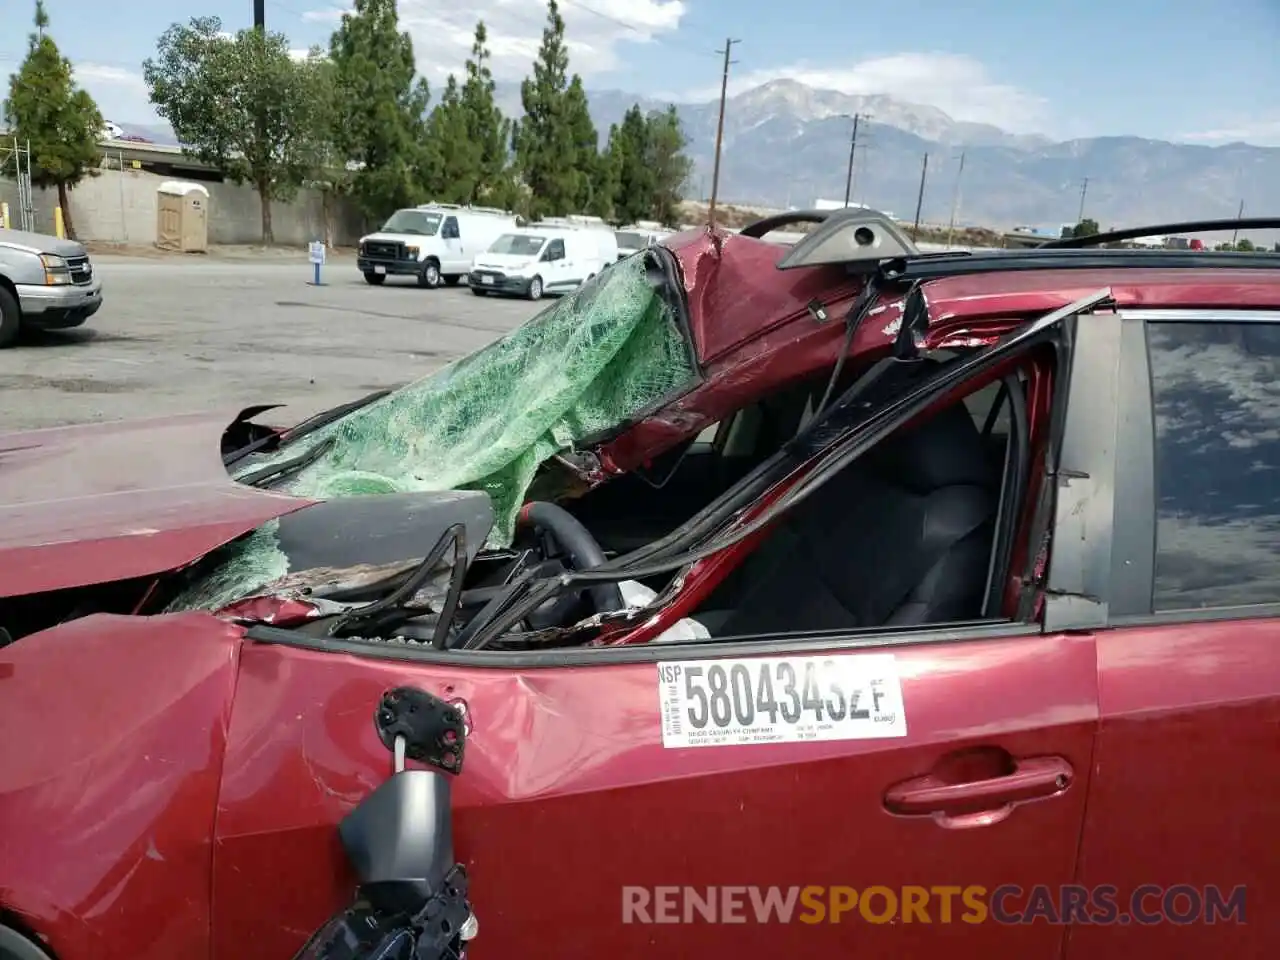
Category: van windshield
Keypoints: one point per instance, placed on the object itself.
(418, 222)
(518, 244)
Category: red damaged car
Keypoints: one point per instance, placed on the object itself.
(744, 567)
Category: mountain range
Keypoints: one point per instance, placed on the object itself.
(787, 144)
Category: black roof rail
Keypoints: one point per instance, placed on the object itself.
(937, 266)
(1189, 226)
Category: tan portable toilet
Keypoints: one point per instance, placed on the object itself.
(182, 211)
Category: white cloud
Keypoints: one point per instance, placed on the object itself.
(959, 85)
(121, 94)
(442, 33)
(1263, 132)
(96, 74)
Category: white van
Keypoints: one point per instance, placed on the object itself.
(542, 259)
(635, 238)
(432, 243)
(605, 237)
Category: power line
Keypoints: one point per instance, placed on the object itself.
(853, 145)
(924, 173)
(638, 31)
(724, 90)
(955, 199)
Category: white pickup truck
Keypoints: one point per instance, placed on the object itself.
(45, 283)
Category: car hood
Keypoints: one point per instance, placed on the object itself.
(41, 243)
(502, 261)
(101, 502)
(406, 238)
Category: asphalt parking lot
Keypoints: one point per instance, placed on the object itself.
(183, 335)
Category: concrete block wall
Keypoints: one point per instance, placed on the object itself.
(119, 206)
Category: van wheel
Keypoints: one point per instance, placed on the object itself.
(452, 279)
(374, 279)
(479, 293)
(430, 275)
(535, 289)
(10, 317)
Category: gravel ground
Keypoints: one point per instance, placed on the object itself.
(183, 335)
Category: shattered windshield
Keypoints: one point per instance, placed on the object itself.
(413, 221)
(589, 363)
(518, 245)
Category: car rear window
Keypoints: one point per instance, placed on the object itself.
(1217, 411)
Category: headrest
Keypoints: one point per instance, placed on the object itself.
(946, 450)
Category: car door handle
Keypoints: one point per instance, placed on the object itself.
(982, 802)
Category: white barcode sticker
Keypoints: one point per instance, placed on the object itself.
(715, 703)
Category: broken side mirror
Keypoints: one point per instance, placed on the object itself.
(411, 901)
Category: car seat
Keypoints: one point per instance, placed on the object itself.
(900, 537)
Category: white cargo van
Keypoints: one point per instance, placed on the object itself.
(432, 243)
(638, 237)
(542, 259)
(605, 237)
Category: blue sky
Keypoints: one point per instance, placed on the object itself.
(1175, 69)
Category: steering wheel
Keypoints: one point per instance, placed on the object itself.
(583, 550)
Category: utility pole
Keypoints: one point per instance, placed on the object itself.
(724, 90)
(853, 145)
(1239, 216)
(955, 200)
(260, 14)
(924, 172)
(1084, 188)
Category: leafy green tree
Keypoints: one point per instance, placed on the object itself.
(60, 121)
(629, 153)
(1245, 245)
(1088, 227)
(328, 170)
(242, 105)
(668, 163)
(545, 139)
(455, 158)
(605, 185)
(585, 158)
(488, 132)
(381, 106)
(511, 192)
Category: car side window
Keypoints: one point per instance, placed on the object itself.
(555, 250)
(1216, 392)
(450, 229)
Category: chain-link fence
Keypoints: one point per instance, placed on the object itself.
(15, 184)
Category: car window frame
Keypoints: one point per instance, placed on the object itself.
(450, 223)
(1133, 564)
(1075, 379)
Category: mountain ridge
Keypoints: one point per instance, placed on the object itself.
(787, 144)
